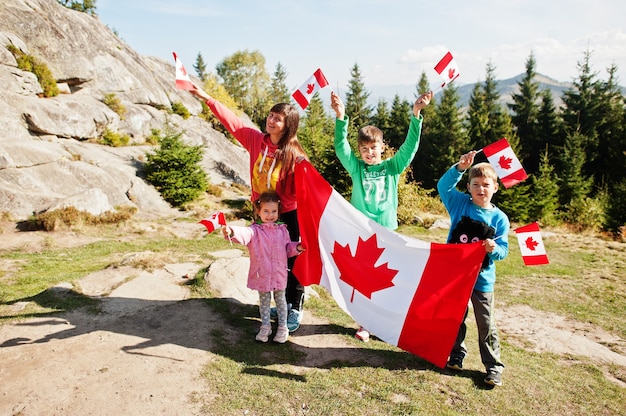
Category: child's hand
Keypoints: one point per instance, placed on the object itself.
(466, 160)
(489, 245)
(421, 102)
(337, 105)
(226, 231)
(300, 248)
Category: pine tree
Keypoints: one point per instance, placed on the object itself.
(525, 117)
(545, 191)
(279, 93)
(382, 116)
(443, 139)
(573, 184)
(174, 169)
(356, 103)
(399, 122)
(200, 67)
(582, 113)
(610, 165)
(316, 135)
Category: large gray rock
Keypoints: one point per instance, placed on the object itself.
(48, 150)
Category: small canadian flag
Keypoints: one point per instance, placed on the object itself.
(183, 81)
(447, 69)
(531, 245)
(507, 165)
(214, 221)
(316, 82)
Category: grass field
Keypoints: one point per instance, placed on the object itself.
(585, 283)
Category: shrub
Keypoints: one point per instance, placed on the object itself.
(114, 103)
(40, 69)
(72, 217)
(180, 109)
(174, 169)
(114, 139)
(414, 200)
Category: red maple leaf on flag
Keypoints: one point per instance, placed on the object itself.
(310, 88)
(531, 244)
(359, 271)
(183, 70)
(505, 162)
(451, 73)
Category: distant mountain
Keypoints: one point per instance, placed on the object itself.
(506, 88)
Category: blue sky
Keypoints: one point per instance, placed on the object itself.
(391, 41)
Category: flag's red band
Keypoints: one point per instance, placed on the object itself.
(514, 178)
(300, 99)
(443, 64)
(528, 228)
(535, 260)
(493, 148)
(320, 78)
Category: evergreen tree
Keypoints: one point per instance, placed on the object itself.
(548, 124)
(86, 6)
(356, 103)
(525, 117)
(247, 81)
(279, 93)
(573, 184)
(545, 191)
(382, 116)
(443, 141)
(582, 112)
(200, 67)
(610, 165)
(174, 169)
(401, 111)
(316, 135)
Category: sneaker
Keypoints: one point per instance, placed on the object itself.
(274, 311)
(294, 318)
(264, 333)
(455, 364)
(282, 333)
(494, 378)
(362, 334)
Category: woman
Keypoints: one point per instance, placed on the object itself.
(273, 156)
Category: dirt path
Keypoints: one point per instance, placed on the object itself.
(144, 353)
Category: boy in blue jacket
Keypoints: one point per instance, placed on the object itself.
(469, 213)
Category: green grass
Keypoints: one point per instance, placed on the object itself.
(584, 282)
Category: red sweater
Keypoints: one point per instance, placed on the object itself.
(265, 171)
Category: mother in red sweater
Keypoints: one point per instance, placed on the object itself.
(273, 156)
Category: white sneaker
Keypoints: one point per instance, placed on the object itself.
(264, 333)
(282, 333)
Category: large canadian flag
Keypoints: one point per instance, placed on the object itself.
(409, 293)
(507, 165)
(304, 94)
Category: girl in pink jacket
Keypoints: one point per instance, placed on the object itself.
(269, 246)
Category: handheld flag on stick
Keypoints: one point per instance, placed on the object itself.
(447, 69)
(214, 221)
(531, 245)
(507, 165)
(183, 81)
(316, 82)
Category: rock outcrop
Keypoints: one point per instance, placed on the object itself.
(49, 155)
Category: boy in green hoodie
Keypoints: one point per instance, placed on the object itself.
(374, 179)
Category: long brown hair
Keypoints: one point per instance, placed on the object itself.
(289, 148)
